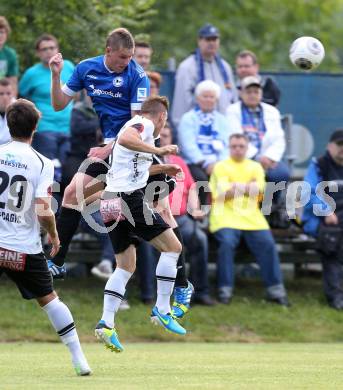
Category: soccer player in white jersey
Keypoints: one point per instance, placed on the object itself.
(26, 177)
(127, 216)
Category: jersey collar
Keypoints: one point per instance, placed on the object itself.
(106, 67)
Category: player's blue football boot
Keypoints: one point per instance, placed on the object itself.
(108, 336)
(57, 272)
(182, 300)
(168, 321)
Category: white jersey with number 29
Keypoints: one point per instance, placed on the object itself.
(24, 176)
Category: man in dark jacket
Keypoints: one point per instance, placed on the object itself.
(247, 65)
(323, 215)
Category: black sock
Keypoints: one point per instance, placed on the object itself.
(67, 224)
(181, 278)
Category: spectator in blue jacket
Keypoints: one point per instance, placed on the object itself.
(203, 134)
(323, 215)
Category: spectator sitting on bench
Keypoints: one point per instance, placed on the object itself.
(328, 228)
(247, 65)
(261, 123)
(236, 185)
(203, 134)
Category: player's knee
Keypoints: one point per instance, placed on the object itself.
(46, 299)
(129, 267)
(174, 246)
(127, 263)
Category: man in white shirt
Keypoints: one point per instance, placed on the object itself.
(261, 123)
(6, 98)
(25, 205)
(127, 216)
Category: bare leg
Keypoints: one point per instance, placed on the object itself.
(80, 188)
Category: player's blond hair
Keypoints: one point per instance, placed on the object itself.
(120, 38)
(154, 105)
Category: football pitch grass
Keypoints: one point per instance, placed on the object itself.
(175, 366)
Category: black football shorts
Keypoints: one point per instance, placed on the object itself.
(129, 217)
(35, 281)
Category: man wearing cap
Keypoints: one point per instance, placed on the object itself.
(261, 123)
(247, 65)
(323, 217)
(204, 64)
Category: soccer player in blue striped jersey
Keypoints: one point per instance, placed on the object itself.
(117, 86)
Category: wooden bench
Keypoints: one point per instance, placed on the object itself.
(294, 247)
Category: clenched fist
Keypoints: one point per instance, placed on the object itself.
(56, 63)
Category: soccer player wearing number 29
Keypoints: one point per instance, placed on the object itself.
(25, 180)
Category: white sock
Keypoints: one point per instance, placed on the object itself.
(62, 320)
(113, 294)
(165, 275)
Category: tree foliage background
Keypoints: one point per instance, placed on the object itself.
(265, 26)
(81, 26)
(268, 27)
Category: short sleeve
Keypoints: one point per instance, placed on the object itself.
(145, 129)
(75, 82)
(140, 90)
(45, 180)
(67, 71)
(25, 84)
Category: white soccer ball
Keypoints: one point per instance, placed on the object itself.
(306, 53)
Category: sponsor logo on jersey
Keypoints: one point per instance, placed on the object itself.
(12, 260)
(135, 168)
(13, 161)
(142, 94)
(91, 76)
(98, 92)
(142, 74)
(118, 81)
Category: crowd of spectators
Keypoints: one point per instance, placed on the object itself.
(228, 128)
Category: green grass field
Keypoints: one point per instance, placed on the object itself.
(248, 344)
(175, 366)
(247, 319)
